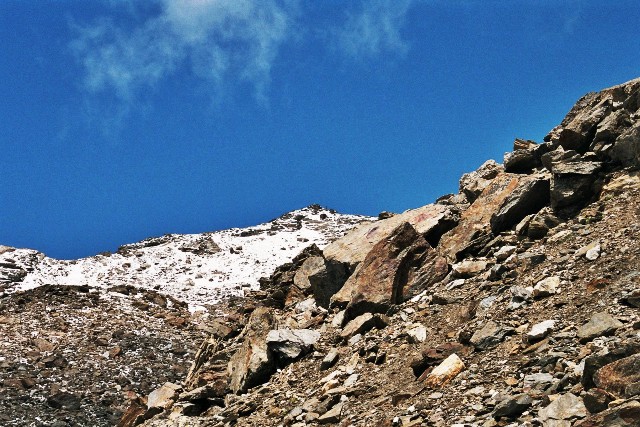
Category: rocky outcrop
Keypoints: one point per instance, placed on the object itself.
(431, 221)
(395, 269)
(502, 204)
(253, 363)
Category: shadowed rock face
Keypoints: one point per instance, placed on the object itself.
(502, 204)
(390, 272)
(597, 120)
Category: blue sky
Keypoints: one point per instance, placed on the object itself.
(122, 120)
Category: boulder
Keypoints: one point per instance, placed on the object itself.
(164, 396)
(502, 204)
(290, 344)
(512, 406)
(601, 324)
(321, 278)
(445, 371)
(541, 223)
(490, 335)
(619, 378)
(473, 183)
(364, 323)
(468, 268)
(564, 407)
(395, 269)
(547, 286)
(541, 330)
(435, 355)
(430, 220)
(625, 415)
(597, 118)
(525, 157)
(253, 363)
(596, 361)
(572, 183)
(626, 150)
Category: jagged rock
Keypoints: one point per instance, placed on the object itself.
(572, 183)
(434, 355)
(601, 324)
(596, 361)
(525, 157)
(253, 363)
(332, 416)
(290, 344)
(330, 359)
(624, 415)
(64, 400)
(512, 406)
(394, 270)
(547, 286)
(320, 277)
(619, 377)
(279, 285)
(468, 268)
(490, 335)
(541, 330)
(445, 371)
(417, 334)
(473, 183)
(430, 221)
(164, 396)
(626, 150)
(364, 323)
(564, 407)
(632, 298)
(541, 223)
(502, 204)
(590, 117)
(596, 400)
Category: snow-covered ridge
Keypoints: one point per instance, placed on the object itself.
(196, 268)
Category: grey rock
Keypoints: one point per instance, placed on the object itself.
(292, 343)
(330, 359)
(364, 323)
(472, 183)
(512, 406)
(490, 335)
(541, 330)
(601, 324)
(565, 407)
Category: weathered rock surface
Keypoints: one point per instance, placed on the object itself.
(430, 220)
(600, 324)
(501, 205)
(619, 378)
(253, 363)
(395, 269)
(290, 344)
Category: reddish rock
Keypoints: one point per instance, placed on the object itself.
(394, 269)
(616, 377)
(502, 204)
(253, 363)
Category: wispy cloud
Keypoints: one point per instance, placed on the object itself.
(374, 29)
(217, 40)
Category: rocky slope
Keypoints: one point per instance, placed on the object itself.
(79, 339)
(512, 303)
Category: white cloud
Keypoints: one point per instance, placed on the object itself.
(218, 40)
(374, 29)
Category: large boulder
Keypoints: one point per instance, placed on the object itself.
(290, 344)
(573, 180)
(525, 157)
(473, 183)
(502, 204)
(625, 415)
(321, 277)
(253, 363)
(393, 270)
(597, 119)
(431, 221)
(620, 378)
